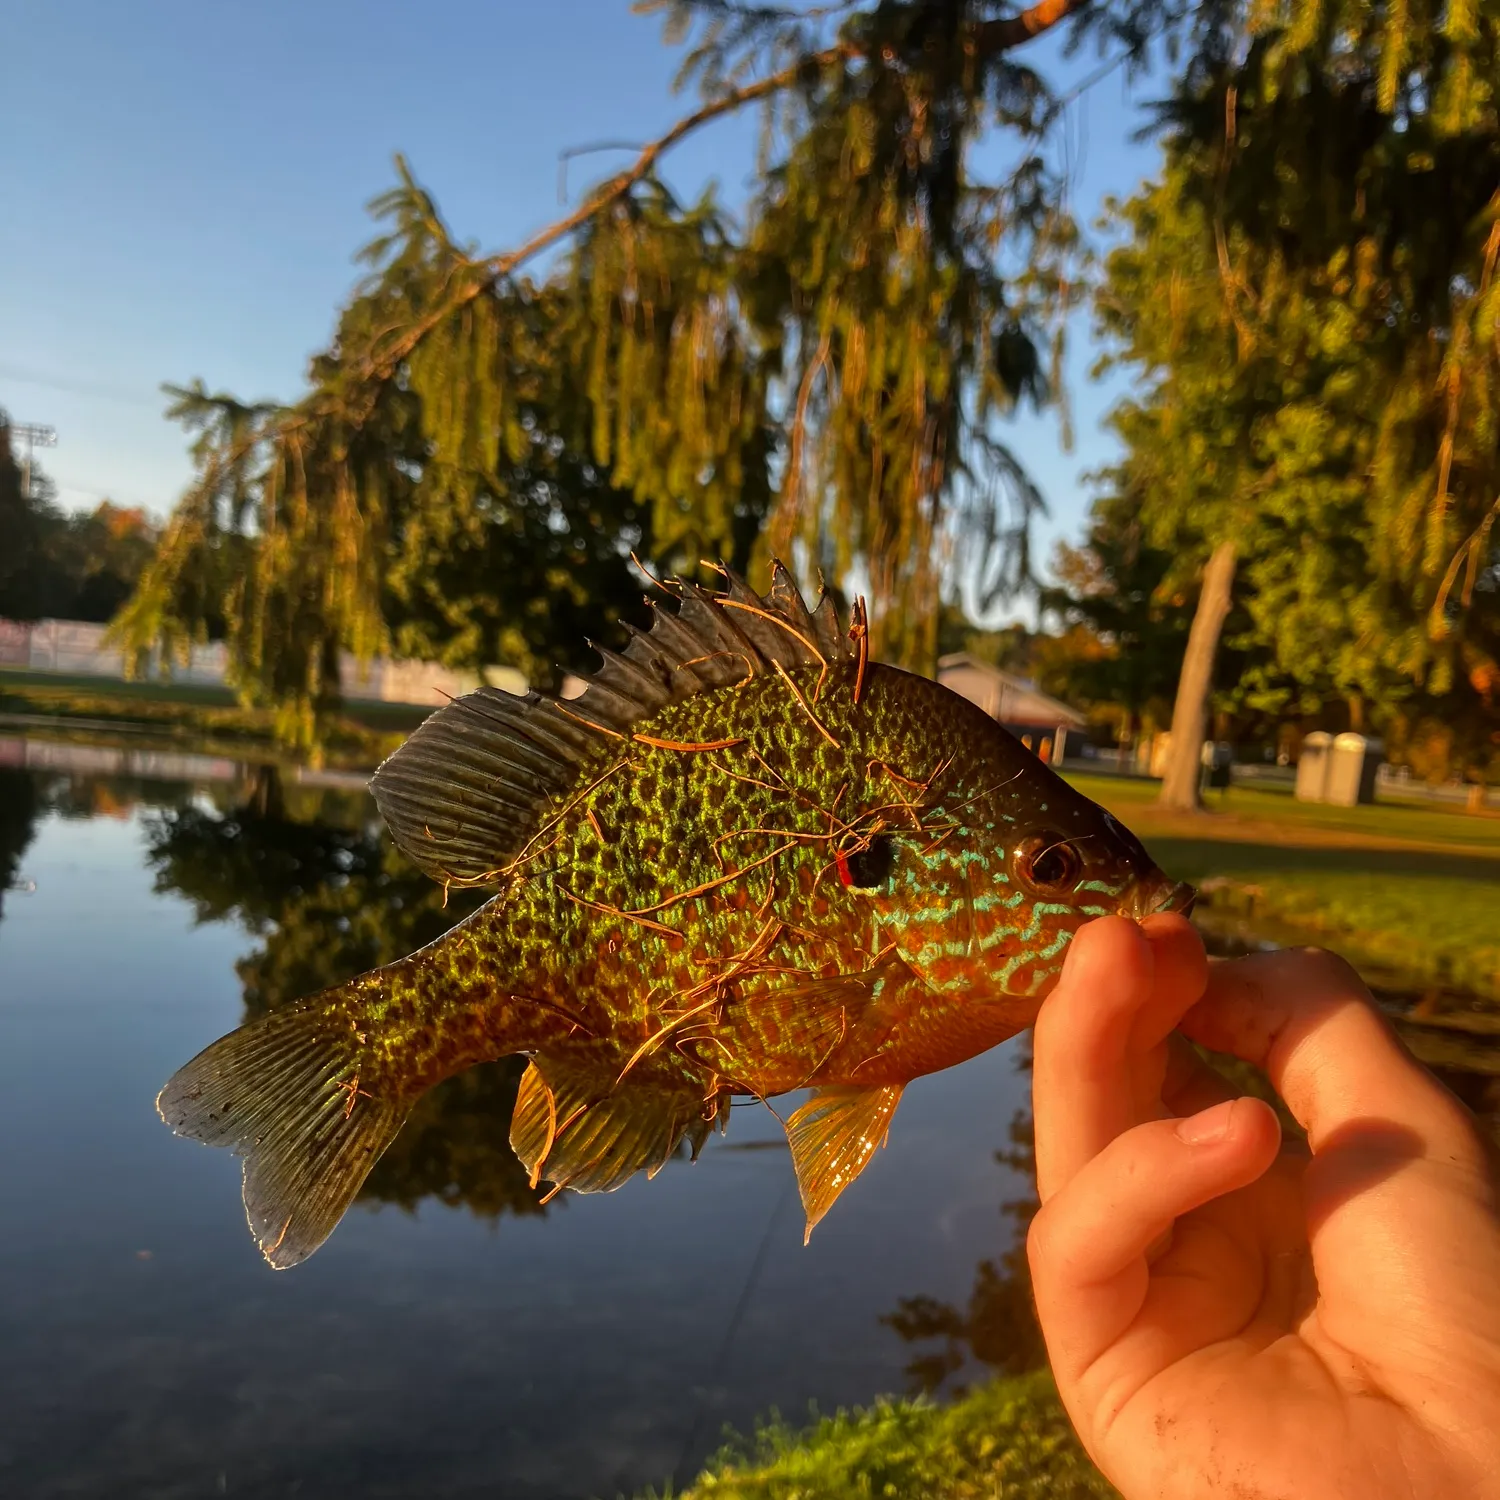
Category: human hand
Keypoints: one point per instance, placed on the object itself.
(1230, 1315)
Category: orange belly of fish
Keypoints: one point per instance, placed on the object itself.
(928, 1043)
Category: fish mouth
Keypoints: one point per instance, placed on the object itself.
(1151, 898)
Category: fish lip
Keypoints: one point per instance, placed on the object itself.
(1161, 896)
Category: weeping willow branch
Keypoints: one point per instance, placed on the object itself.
(987, 39)
(467, 419)
(1471, 551)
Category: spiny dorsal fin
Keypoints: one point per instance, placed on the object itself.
(833, 1136)
(466, 792)
(575, 1126)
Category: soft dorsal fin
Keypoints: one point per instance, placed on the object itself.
(470, 787)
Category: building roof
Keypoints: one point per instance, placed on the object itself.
(1003, 695)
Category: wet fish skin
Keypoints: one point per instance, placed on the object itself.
(826, 873)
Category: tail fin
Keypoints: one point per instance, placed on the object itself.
(284, 1092)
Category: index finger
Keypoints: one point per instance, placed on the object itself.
(1306, 1017)
(1123, 987)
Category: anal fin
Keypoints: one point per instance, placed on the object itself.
(576, 1127)
(833, 1136)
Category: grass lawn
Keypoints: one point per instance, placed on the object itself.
(1006, 1440)
(1415, 889)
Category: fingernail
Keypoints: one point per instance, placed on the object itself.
(1206, 1128)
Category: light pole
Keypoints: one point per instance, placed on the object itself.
(34, 436)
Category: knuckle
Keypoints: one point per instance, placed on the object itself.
(1330, 971)
(1040, 1238)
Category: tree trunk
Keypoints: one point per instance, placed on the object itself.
(1180, 785)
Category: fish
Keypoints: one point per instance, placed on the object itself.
(746, 861)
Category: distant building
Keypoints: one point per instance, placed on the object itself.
(1039, 721)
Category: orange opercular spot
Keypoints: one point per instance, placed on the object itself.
(841, 861)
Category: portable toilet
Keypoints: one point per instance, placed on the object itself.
(1312, 767)
(1352, 767)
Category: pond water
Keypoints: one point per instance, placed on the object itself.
(454, 1337)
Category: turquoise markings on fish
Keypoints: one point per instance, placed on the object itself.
(746, 860)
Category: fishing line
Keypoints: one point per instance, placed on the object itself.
(757, 1265)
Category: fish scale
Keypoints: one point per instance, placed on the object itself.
(746, 860)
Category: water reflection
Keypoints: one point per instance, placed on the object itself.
(592, 1350)
(19, 811)
(613, 1337)
(996, 1328)
(31, 789)
(308, 872)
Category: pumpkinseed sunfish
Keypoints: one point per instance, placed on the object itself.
(746, 860)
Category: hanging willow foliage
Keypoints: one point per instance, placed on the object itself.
(479, 452)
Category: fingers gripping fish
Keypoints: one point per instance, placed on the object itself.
(746, 860)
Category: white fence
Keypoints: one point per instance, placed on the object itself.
(74, 648)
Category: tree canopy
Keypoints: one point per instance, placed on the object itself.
(820, 371)
(1310, 293)
(823, 370)
(1123, 618)
(64, 566)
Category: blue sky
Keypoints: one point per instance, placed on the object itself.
(183, 187)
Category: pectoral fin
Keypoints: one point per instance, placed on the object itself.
(780, 1038)
(576, 1128)
(833, 1136)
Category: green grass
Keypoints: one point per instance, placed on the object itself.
(1006, 1440)
(1443, 823)
(1413, 889)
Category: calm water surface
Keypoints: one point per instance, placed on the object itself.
(454, 1337)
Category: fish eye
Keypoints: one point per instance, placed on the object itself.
(867, 863)
(1048, 864)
